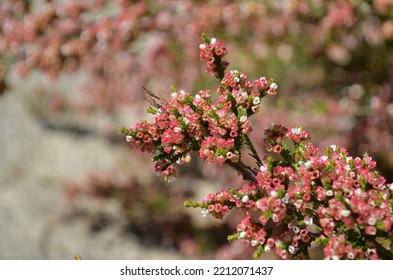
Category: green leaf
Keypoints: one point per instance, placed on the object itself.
(233, 237)
(380, 225)
(152, 110)
(322, 240)
(192, 204)
(175, 112)
(205, 38)
(258, 252)
(160, 157)
(173, 88)
(124, 130)
(233, 191)
(286, 154)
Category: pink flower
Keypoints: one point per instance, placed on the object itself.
(370, 230)
(277, 148)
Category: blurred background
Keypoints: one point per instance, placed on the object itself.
(71, 74)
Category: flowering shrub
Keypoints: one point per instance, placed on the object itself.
(341, 50)
(295, 195)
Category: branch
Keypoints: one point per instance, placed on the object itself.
(382, 252)
(254, 153)
(248, 173)
(155, 100)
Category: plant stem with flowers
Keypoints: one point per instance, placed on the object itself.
(294, 196)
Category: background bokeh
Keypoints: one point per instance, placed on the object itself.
(71, 74)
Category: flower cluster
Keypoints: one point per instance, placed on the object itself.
(296, 196)
(64, 33)
(212, 53)
(213, 130)
(331, 198)
(218, 149)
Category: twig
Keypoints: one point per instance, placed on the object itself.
(382, 252)
(248, 173)
(155, 100)
(254, 153)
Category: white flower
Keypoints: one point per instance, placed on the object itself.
(372, 221)
(263, 168)
(197, 96)
(266, 249)
(291, 249)
(334, 147)
(242, 235)
(245, 198)
(202, 46)
(308, 164)
(128, 138)
(358, 192)
(243, 119)
(174, 95)
(213, 41)
(308, 220)
(256, 101)
(329, 193)
(274, 194)
(295, 229)
(345, 213)
(285, 199)
(254, 243)
(298, 203)
(205, 212)
(296, 130)
(273, 86)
